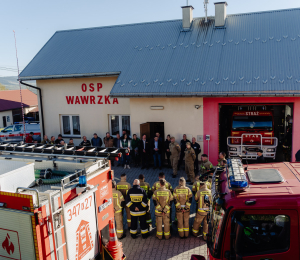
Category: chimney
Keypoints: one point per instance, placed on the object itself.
(187, 16)
(220, 14)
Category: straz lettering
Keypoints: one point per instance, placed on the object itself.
(252, 113)
(115, 195)
(122, 187)
(136, 198)
(162, 193)
(182, 191)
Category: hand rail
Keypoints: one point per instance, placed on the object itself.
(30, 189)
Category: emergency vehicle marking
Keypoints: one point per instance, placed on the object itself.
(136, 198)
(122, 187)
(104, 191)
(79, 206)
(84, 241)
(10, 245)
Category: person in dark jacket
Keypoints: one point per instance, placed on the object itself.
(124, 132)
(183, 147)
(135, 150)
(136, 201)
(144, 149)
(59, 139)
(85, 142)
(117, 143)
(260, 157)
(167, 150)
(96, 141)
(197, 150)
(156, 150)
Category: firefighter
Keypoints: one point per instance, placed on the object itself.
(260, 156)
(146, 186)
(222, 156)
(203, 198)
(183, 199)
(206, 165)
(190, 157)
(168, 186)
(162, 199)
(196, 185)
(123, 186)
(175, 152)
(119, 203)
(136, 201)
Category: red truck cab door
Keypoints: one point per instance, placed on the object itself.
(262, 234)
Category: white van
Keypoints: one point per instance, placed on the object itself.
(15, 133)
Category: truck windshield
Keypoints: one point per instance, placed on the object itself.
(252, 122)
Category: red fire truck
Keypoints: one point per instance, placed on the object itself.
(250, 131)
(55, 201)
(254, 212)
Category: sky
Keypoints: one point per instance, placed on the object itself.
(35, 21)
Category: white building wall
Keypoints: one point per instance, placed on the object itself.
(179, 115)
(6, 114)
(93, 117)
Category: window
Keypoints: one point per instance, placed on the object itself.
(70, 125)
(263, 234)
(8, 129)
(252, 122)
(118, 123)
(18, 128)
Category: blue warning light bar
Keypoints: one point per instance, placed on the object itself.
(237, 179)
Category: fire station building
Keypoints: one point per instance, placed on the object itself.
(175, 77)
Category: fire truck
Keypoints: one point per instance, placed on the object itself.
(55, 201)
(250, 131)
(254, 212)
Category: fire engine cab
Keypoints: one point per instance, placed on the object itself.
(254, 212)
(55, 201)
(252, 130)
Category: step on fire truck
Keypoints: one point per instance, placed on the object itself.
(55, 201)
(252, 130)
(254, 214)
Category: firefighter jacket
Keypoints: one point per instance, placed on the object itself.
(203, 207)
(146, 186)
(156, 186)
(137, 198)
(190, 155)
(108, 141)
(123, 186)
(183, 197)
(174, 150)
(118, 201)
(197, 185)
(162, 198)
(206, 166)
(219, 162)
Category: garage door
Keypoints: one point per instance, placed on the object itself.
(16, 238)
(81, 227)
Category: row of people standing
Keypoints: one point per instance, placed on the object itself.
(136, 201)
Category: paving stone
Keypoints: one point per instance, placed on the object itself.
(172, 249)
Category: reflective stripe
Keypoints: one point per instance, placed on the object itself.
(129, 204)
(195, 231)
(177, 204)
(188, 204)
(144, 231)
(158, 211)
(118, 211)
(167, 207)
(138, 213)
(119, 231)
(167, 233)
(180, 229)
(159, 233)
(204, 233)
(203, 209)
(144, 204)
(183, 206)
(149, 221)
(128, 220)
(158, 206)
(133, 231)
(186, 229)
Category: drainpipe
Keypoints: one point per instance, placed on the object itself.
(41, 103)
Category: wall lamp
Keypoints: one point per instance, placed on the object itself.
(197, 106)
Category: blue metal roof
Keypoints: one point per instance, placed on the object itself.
(254, 54)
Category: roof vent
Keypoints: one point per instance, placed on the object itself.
(220, 14)
(187, 16)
